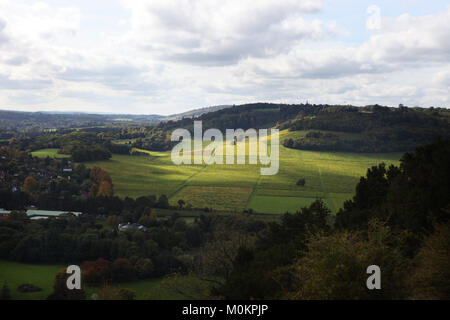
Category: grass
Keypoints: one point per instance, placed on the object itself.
(222, 198)
(328, 175)
(180, 288)
(52, 153)
(272, 204)
(41, 275)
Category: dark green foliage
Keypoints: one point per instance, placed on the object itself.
(28, 287)
(92, 153)
(5, 293)
(60, 290)
(255, 271)
(410, 197)
(368, 129)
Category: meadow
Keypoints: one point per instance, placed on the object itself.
(331, 176)
(52, 153)
(43, 275)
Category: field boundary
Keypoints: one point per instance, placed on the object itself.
(255, 187)
(325, 193)
(178, 190)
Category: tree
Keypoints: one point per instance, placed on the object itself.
(93, 191)
(144, 268)
(105, 189)
(126, 294)
(60, 290)
(163, 201)
(113, 293)
(96, 272)
(431, 277)
(409, 197)
(148, 220)
(5, 293)
(18, 216)
(122, 270)
(30, 185)
(112, 221)
(335, 266)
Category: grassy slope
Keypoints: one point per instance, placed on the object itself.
(40, 275)
(52, 153)
(15, 274)
(329, 175)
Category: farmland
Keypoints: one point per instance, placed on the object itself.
(328, 175)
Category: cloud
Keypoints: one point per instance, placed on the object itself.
(167, 56)
(221, 33)
(403, 42)
(3, 37)
(23, 84)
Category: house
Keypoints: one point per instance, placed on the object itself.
(131, 226)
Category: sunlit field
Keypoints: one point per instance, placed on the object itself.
(52, 153)
(331, 176)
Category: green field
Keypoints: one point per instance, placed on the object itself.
(52, 153)
(15, 274)
(41, 275)
(331, 176)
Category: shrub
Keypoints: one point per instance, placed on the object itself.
(27, 287)
(5, 293)
(122, 270)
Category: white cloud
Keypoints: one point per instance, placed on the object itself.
(220, 33)
(167, 56)
(403, 42)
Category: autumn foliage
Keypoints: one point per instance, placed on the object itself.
(104, 186)
(30, 185)
(102, 271)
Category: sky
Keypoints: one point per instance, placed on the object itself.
(167, 56)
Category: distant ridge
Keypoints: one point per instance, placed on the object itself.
(176, 116)
(196, 112)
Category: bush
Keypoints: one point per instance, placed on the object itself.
(60, 290)
(96, 272)
(431, 277)
(114, 293)
(5, 293)
(126, 294)
(122, 270)
(27, 287)
(144, 268)
(334, 267)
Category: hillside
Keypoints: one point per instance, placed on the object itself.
(333, 127)
(312, 127)
(195, 112)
